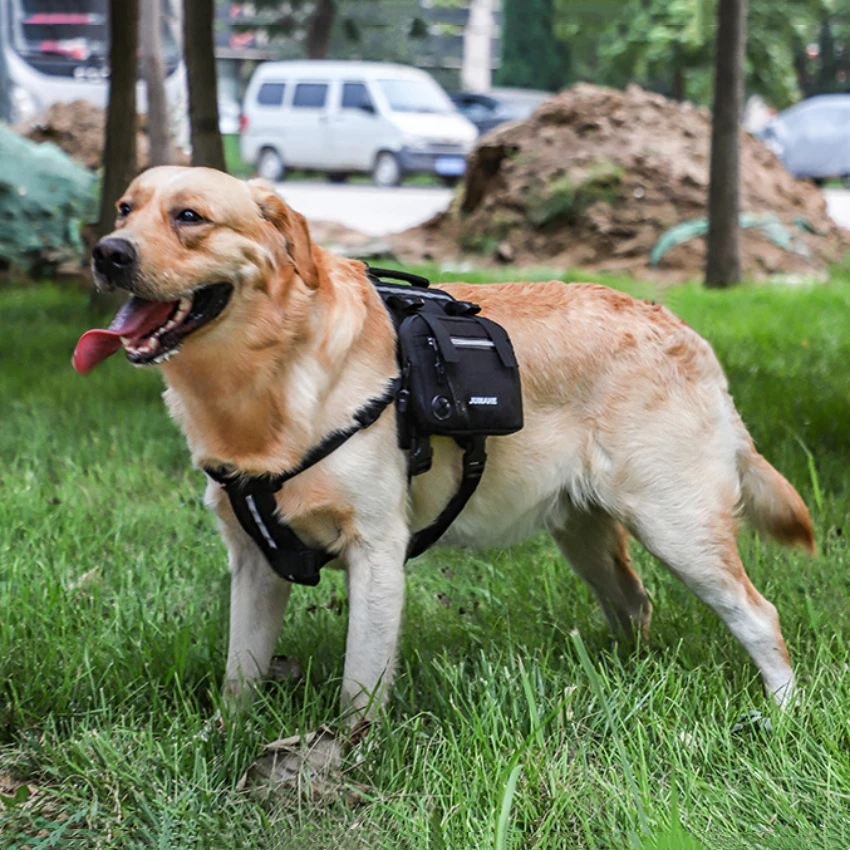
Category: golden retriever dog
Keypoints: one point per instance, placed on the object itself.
(268, 343)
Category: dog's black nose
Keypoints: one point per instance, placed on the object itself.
(115, 260)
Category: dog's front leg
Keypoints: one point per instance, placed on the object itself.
(258, 598)
(313, 761)
(375, 575)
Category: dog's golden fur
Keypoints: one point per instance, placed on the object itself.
(629, 425)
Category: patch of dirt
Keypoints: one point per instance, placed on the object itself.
(77, 128)
(348, 242)
(596, 176)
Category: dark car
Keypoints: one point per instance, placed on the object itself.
(813, 138)
(487, 111)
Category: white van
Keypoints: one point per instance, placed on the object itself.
(345, 117)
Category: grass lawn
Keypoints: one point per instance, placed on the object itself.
(514, 722)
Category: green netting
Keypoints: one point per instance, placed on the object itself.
(45, 196)
(769, 224)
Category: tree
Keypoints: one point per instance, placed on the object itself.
(319, 29)
(5, 100)
(667, 45)
(310, 22)
(661, 44)
(530, 52)
(723, 254)
(207, 148)
(119, 155)
(153, 72)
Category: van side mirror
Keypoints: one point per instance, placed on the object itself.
(367, 107)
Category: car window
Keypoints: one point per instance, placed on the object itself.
(310, 95)
(415, 95)
(476, 111)
(355, 96)
(271, 94)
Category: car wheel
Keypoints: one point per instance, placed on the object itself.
(387, 170)
(270, 165)
(449, 182)
(337, 177)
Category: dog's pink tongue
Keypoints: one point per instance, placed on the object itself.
(136, 318)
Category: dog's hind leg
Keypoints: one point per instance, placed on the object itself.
(596, 547)
(697, 541)
(258, 599)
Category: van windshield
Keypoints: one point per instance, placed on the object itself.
(415, 96)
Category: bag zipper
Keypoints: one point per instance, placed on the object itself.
(438, 361)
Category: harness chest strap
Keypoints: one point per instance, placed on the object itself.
(253, 499)
(254, 502)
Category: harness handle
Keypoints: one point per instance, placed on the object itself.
(394, 274)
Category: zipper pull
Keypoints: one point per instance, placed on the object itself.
(438, 362)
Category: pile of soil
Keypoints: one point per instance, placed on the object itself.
(596, 176)
(347, 242)
(77, 128)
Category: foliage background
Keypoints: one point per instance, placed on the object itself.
(796, 47)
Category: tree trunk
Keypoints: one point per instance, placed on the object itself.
(153, 71)
(723, 257)
(477, 71)
(319, 32)
(5, 99)
(529, 48)
(798, 47)
(198, 46)
(119, 155)
(827, 79)
(678, 89)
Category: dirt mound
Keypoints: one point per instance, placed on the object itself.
(596, 176)
(77, 128)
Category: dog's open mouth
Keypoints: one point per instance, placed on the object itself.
(151, 331)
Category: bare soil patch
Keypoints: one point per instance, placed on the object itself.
(78, 129)
(595, 177)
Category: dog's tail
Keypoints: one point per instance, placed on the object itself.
(770, 502)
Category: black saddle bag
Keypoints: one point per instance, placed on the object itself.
(461, 372)
(460, 377)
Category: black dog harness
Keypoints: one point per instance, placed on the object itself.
(253, 498)
(253, 501)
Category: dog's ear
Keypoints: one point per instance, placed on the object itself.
(293, 227)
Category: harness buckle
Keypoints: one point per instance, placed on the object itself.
(420, 456)
(474, 458)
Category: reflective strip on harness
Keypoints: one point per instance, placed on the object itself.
(252, 505)
(254, 501)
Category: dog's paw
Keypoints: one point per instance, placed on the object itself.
(304, 765)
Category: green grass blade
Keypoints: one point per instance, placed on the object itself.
(613, 727)
(501, 838)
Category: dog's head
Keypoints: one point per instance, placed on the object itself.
(195, 249)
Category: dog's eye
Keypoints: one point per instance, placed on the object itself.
(189, 217)
(124, 209)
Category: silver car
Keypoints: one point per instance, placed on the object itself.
(813, 138)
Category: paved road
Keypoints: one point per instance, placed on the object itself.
(366, 208)
(378, 211)
(838, 204)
